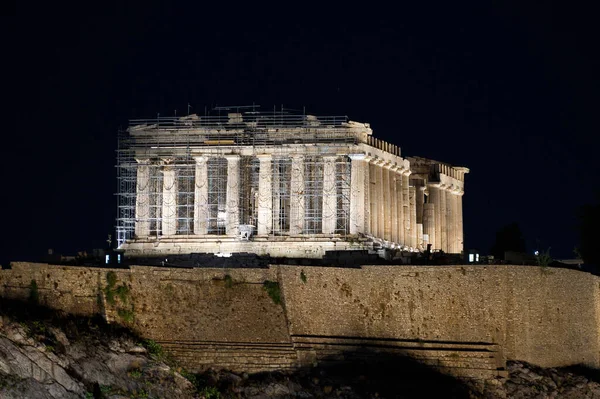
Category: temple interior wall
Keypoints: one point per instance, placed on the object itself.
(549, 317)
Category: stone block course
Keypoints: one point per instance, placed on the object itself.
(460, 319)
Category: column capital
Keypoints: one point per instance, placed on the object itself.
(201, 158)
(357, 157)
(406, 172)
(166, 161)
(297, 156)
(378, 161)
(143, 161)
(232, 157)
(264, 157)
(330, 157)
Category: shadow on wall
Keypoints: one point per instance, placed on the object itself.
(365, 374)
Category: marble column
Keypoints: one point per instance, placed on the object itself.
(435, 199)
(380, 200)
(420, 201)
(367, 191)
(429, 222)
(450, 225)
(443, 220)
(459, 222)
(413, 216)
(357, 193)
(387, 200)
(373, 198)
(232, 197)
(406, 207)
(400, 207)
(265, 194)
(394, 203)
(297, 195)
(142, 199)
(169, 205)
(276, 199)
(201, 196)
(420, 236)
(329, 195)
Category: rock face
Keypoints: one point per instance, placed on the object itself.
(79, 359)
(528, 381)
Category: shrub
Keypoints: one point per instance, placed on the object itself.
(34, 295)
(228, 281)
(273, 290)
(123, 292)
(111, 279)
(110, 296)
(303, 276)
(210, 393)
(126, 315)
(153, 347)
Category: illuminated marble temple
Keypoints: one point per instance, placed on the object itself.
(280, 184)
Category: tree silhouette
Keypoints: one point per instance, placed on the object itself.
(508, 238)
(589, 223)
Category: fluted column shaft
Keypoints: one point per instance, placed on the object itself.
(265, 195)
(459, 219)
(358, 203)
(329, 195)
(142, 199)
(380, 201)
(436, 197)
(443, 220)
(413, 216)
(387, 200)
(374, 226)
(297, 187)
(232, 197)
(394, 203)
(169, 205)
(429, 222)
(201, 196)
(450, 220)
(400, 208)
(406, 207)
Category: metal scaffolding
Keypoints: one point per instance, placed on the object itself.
(156, 173)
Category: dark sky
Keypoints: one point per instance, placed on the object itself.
(508, 90)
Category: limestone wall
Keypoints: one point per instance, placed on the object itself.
(549, 317)
(167, 304)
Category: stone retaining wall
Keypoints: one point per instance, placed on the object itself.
(464, 320)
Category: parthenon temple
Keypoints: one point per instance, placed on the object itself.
(280, 184)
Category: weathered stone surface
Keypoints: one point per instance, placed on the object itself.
(548, 317)
(30, 369)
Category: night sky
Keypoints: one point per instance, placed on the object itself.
(508, 90)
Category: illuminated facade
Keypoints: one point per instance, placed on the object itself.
(279, 184)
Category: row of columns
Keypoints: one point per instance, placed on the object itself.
(443, 219)
(265, 196)
(382, 203)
